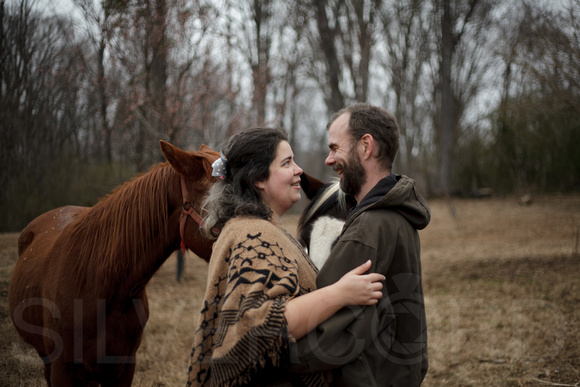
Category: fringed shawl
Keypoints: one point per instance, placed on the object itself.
(255, 268)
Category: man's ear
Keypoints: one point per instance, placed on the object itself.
(368, 145)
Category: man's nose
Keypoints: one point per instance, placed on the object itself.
(329, 160)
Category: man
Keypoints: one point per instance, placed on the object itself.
(384, 344)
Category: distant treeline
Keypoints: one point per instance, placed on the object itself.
(487, 93)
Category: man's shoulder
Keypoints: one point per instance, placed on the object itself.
(373, 214)
(372, 225)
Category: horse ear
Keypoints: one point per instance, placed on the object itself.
(207, 152)
(179, 159)
(210, 155)
(310, 185)
(188, 163)
(205, 148)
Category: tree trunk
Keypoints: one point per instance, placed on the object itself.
(261, 64)
(447, 105)
(327, 34)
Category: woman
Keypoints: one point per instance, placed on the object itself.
(257, 271)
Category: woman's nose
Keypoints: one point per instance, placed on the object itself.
(298, 170)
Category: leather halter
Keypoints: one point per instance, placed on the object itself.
(187, 209)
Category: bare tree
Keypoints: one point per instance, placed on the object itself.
(257, 28)
(462, 25)
(552, 49)
(358, 38)
(404, 52)
(342, 39)
(41, 98)
(327, 13)
(98, 31)
(160, 48)
(537, 117)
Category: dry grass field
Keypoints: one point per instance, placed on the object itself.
(502, 294)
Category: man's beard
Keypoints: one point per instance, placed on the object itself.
(353, 175)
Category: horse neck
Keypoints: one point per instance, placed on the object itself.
(125, 238)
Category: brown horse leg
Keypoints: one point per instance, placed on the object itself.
(47, 372)
(59, 375)
(68, 375)
(124, 380)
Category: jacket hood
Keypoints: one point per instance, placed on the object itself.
(398, 193)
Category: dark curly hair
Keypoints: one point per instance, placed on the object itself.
(249, 154)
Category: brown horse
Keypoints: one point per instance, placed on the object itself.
(77, 293)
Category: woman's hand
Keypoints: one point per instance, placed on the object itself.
(304, 313)
(357, 288)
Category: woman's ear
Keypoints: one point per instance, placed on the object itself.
(260, 185)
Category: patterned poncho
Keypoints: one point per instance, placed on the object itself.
(241, 336)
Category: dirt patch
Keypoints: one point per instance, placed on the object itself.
(502, 294)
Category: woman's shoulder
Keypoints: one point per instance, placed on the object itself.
(242, 224)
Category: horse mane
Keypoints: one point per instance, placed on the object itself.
(114, 237)
(322, 201)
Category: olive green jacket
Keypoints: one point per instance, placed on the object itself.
(384, 344)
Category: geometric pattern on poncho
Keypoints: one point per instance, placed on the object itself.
(258, 272)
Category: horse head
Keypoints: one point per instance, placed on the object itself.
(193, 170)
(321, 221)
